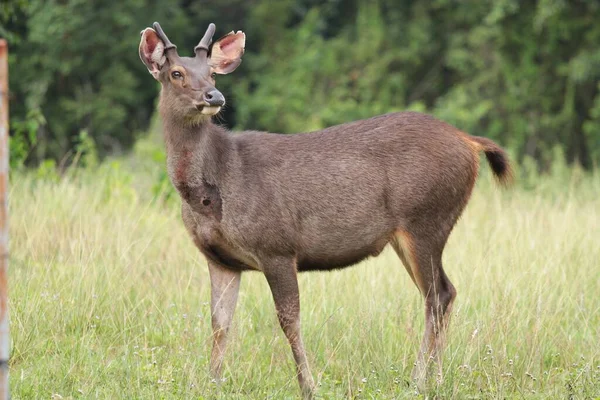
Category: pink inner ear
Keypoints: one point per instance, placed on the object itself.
(226, 53)
(227, 42)
(149, 45)
(151, 51)
(232, 44)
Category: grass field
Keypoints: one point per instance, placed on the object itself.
(109, 299)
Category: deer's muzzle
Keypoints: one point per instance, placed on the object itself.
(214, 98)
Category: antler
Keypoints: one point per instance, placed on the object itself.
(206, 39)
(163, 37)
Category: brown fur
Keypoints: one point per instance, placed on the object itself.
(321, 200)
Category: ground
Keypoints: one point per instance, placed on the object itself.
(109, 299)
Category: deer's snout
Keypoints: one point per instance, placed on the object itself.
(214, 98)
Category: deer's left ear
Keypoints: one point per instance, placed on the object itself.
(226, 53)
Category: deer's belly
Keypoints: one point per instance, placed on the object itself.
(340, 255)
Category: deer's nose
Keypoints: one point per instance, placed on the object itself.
(214, 98)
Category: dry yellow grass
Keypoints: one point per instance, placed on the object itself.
(109, 299)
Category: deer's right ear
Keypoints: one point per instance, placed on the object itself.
(152, 51)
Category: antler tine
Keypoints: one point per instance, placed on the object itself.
(206, 39)
(163, 37)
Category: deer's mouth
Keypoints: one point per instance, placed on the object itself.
(208, 110)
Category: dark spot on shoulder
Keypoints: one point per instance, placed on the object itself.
(205, 199)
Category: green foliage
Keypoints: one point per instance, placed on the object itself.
(117, 183)
(86, 151)
(304, 82)
(47, 171)
(69, 63)
(24, 137)
(523, 73)
(155, 158)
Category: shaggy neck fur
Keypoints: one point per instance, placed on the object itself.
(196, 147)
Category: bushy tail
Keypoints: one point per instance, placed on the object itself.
(497, 159)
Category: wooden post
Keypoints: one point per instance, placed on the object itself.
(4, 335)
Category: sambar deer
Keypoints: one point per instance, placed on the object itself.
(283, 204)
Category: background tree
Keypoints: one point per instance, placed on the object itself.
(523, 73)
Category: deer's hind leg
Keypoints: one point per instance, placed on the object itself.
(397, 246)
(422, 257)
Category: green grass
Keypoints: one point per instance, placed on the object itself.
(109, 299)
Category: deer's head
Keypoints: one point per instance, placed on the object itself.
(188, 83)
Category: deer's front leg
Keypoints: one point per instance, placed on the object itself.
(283, 281)
(225, 285)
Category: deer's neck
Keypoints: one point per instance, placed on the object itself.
(196, 153)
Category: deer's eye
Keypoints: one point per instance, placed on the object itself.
(213, 75)
(176, 75)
